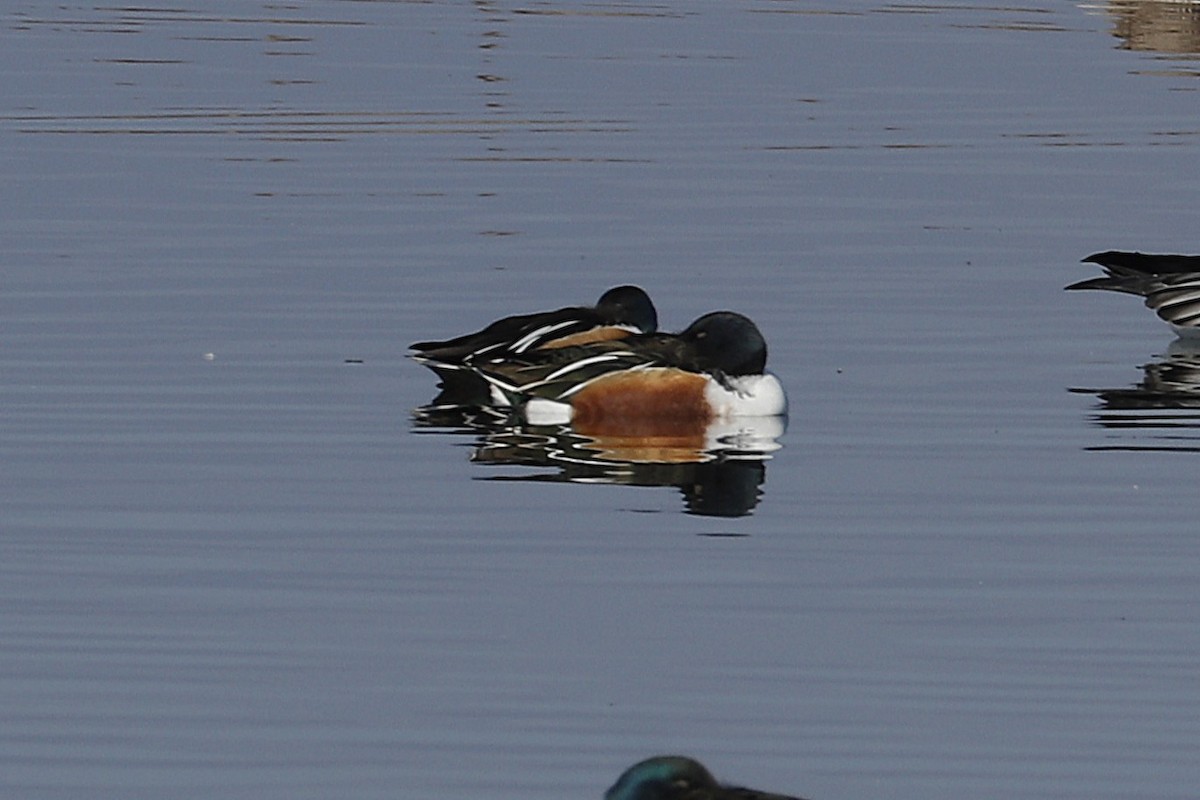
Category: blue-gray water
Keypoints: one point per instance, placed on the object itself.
(232, 564)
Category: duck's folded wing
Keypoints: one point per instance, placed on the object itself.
(559, 378)
(514, 334)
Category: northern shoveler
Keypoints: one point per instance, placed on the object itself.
(1169, 284)
(712, 370)
(621, 311)
(678, 778)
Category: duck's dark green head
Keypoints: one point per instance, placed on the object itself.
(661, 778)
(628, 305)
(729, 342)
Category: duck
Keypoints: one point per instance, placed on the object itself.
(1169, 284)
(620, 312)
(715, 369)
(679, 778)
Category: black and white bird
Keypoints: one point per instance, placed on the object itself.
(1169, 284)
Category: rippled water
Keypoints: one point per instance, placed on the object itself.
(238, 560)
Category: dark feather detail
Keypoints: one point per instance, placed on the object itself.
(1169, 284)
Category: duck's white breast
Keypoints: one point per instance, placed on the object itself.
(749, 396)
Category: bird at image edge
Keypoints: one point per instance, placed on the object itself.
(679, 778)
(714, 369)
(1168, 284)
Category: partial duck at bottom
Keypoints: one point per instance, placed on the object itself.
(679, 778)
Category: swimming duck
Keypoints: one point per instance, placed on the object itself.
(714, 369)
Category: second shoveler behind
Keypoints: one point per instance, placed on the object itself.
(621, 311)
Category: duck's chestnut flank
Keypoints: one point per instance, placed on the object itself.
(665, 393)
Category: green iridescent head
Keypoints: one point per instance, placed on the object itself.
(661, 778)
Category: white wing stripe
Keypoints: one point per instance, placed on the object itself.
(538, 334)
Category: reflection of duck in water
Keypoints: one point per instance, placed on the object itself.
(719, 468)
(1162, 412)
(1171, 382)
(713, 370)
(1170, 284)
(678, 778)
(621, 311)
(722, 476)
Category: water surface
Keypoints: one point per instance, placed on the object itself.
(235, 564)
